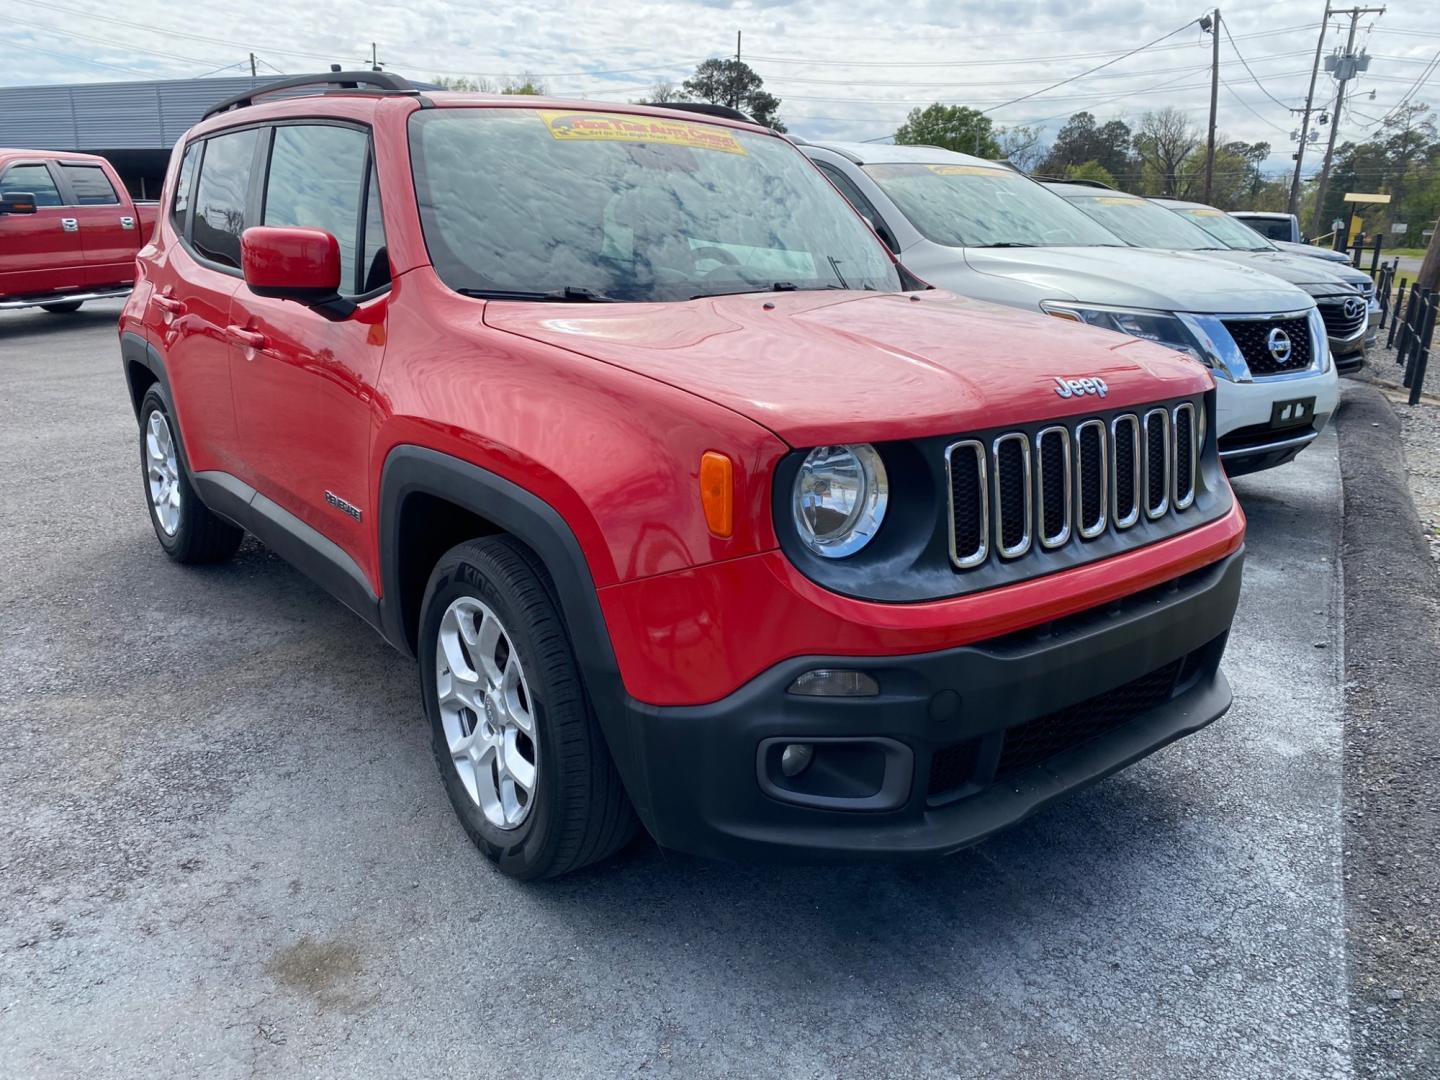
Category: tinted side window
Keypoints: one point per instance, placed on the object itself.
(90, 185)
(34, 179)
(180, 209)
(220, 200)
(317, 180)
(857, 199)
(375, 266)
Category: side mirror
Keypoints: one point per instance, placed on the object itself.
(17, 202)
(295, 264)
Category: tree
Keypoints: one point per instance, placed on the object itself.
(735, 83)
(1020, 146)
(1164, 142)
(1091, 170)
(953, 127)
(1082, 140)
(526, 84)
(664, 92)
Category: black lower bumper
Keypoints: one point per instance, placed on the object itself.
(957, 745)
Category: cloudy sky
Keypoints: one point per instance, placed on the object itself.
(842, 69)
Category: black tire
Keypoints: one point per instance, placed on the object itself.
(580, 813)
(200, 536)
(63, 308)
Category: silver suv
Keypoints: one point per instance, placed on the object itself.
(986, 231)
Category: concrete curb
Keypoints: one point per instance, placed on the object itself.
(1392, 751)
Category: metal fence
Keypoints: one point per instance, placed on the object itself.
(1411, 333)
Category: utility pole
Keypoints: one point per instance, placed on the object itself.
(252, 65)
(1294, 204)
(1214, 28)
(735, 80)
(1344, 67)
(374, 58)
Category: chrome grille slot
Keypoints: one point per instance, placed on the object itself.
(1091, 479)
(1187, 454)
(1053, 490)
(1013, 499)
(1157, 463)
(969, 503)
(1125, 470)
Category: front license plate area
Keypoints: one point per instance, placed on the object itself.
(1299, 412)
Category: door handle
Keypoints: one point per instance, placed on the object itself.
(70, 224)
(127, 223)
(250, 338)
(165, 303)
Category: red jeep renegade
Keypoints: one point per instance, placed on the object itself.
(697, 510)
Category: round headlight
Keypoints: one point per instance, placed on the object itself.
(840, 497)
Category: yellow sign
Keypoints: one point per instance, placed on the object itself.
(968, 170)
(622, 127)
(1356, 196)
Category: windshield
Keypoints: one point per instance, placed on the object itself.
(977, 206)
(1143, 224)
(1272, 228)
(1231, 233)
(592, 205)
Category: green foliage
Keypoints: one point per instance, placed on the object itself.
(1091, 170)
(734, 83)
(1402, 160)
(1081, 140)
(526, 84)
(953, 127)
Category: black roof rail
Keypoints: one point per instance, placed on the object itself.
(1083, 183)
(378, 81)
(725, 112)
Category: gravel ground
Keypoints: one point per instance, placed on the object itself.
(1420, 437)
(224, 850)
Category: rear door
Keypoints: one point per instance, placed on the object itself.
(109, 233)
(305, 394)
(40, 252)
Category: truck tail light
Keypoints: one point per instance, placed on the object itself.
(717, 493)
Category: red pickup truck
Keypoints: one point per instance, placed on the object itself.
(68, 230)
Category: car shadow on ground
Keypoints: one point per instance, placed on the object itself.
(36, 322)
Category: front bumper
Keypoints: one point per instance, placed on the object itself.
(959, 743)
(1248, 442)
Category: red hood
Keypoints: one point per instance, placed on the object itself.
(834, 367)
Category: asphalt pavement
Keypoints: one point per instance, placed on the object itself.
(224, 850)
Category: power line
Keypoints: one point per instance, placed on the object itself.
(1072, 78)
(1247, 105)
(1024, 60)
(1272, 97)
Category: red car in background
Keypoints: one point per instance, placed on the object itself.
(68, 230)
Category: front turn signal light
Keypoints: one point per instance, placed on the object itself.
(717, 493)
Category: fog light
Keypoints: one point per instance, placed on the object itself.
(824, 682)
(796, 758)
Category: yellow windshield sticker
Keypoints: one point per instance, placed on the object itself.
(1197, 212)
(617, 127)
(968, 170)
(1114, 200)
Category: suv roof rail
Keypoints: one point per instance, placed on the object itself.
(1076, 180)
(380, 81)
(725, 112)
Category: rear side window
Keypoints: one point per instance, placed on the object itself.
(219, 214)
(184, 185)
(317, 180)
(90, 185)
(32, 178)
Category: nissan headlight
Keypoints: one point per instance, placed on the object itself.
(1156, 326)
(839, 500)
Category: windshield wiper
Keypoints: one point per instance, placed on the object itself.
(570, 294)
(776, 286)
(1009, 243)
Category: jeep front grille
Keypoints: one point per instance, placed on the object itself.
(1070, 483)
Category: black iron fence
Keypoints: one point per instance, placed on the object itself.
(1411, 333)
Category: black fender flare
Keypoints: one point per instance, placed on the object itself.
(411, 470)
(135, 350)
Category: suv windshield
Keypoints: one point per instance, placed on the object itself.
(1231, 233)
(1143, 224)
(561, 205)
(979, 206)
